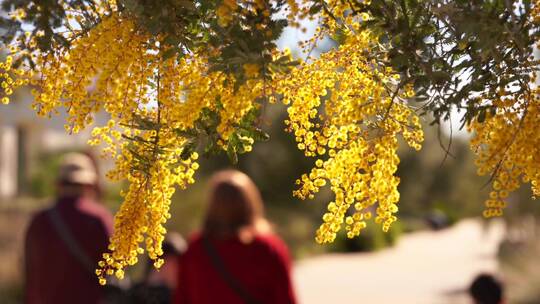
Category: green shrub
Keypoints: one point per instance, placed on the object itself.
(372, 238)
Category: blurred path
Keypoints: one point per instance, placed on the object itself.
(424, 267)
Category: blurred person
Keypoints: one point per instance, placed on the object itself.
(486, 289)
(64, 243)
(157, 286)
(236, 258)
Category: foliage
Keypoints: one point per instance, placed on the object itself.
(371, 239)
(42, 183)
(179, 78)
(454, 51)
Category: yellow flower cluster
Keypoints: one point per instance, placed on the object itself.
(10, 79)
(152, 179)
(507, 142)
(118, 68)
(150, 158)
(67, 77)
(507, 146)
(348, 111)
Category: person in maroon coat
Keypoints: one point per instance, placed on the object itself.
(235, 258)
(64, 243)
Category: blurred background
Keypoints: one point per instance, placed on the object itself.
(431, 255)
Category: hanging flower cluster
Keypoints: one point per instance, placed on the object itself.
(153, 103)
(507, 146)
(347, 111)
(507, 142)
(167, 85)
(10, 79)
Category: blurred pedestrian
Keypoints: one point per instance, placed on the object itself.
(486, 289)
(157, 286)
(235, 258)
(64, 243)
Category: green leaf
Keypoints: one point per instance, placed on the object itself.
(315, 9)
(188, 149)
(231, 153)
(482, 116)
(259, 135)
(170, 53)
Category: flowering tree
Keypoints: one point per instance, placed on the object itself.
(183, 77)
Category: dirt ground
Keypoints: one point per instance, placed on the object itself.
(424, 267)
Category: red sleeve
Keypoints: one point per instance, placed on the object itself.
(284, 291)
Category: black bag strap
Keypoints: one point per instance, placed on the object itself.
(113, 292)
(69, 240)
(225, 274)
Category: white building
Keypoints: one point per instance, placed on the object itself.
(24, 135)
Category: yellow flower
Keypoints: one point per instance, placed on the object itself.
(251, 70)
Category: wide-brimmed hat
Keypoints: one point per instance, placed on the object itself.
(77, 168)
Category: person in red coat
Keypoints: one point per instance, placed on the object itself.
(235, 258)
(64, 243)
